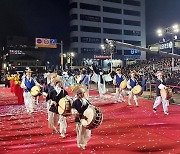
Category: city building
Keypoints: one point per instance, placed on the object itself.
(91, 22)
(21, 53)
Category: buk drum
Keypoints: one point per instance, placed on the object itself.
(64, 107)
(36, 91)
(166, 93)
(123, 84)
(137, 90)
(94, 117)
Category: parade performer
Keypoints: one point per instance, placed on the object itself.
(72, 80)
(160, 84)
(12, 83)
(65, 78)
(27, 83)
(132, 82)
(78, 108)
(47, 89)
(85, 81)
(118, 78)
(55, 95)
(16, 83)
(101, 84)
(99, 78)
(7, 80)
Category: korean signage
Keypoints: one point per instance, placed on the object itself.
(166, 45)
(129, 57)
(101, 57)
(135, 52)
(16, 52)
(46, 43)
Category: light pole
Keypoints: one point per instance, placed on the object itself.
(71, 56)
(172, 31)
(111, 61)
(61, 55)
(109, 47)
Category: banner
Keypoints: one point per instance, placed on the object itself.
(101, 57)
(46, 43)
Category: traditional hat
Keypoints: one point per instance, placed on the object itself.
(53, 75)
(28, 70)
(80, 90)
(118, 69)
(83, 71)
(58, 79)
(132, 72)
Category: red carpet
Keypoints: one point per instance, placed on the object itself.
(124, 130)
(7, 97)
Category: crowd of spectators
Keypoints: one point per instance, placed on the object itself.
(146, 72)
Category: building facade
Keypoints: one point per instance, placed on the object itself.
(21, 53)
(91, 22)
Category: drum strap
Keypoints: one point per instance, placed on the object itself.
(88, 102)
(82, 79)
(101, 80)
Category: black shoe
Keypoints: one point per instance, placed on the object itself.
(154, 110)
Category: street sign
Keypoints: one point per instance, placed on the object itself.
(46, 43)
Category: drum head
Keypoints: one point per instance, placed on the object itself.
(123, 84)
(137, 89)
(35, 90)
(62, 105)
(164, 93)
(89, 113)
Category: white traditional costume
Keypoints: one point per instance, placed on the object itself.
(160, 84)
(132, 82)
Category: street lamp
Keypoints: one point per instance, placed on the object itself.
(61, 55)
(71, 56)
(103, 46)
(173, 30)
(160, 32)
(109, 47)
(64, 55)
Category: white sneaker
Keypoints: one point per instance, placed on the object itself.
(83, 147)
(63, 135)
(166, 113)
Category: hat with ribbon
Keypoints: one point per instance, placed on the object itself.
(28, 70)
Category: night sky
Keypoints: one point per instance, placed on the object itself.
(35, 18)
(50, 18)
(160, 14)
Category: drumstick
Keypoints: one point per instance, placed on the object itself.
(84, 117)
